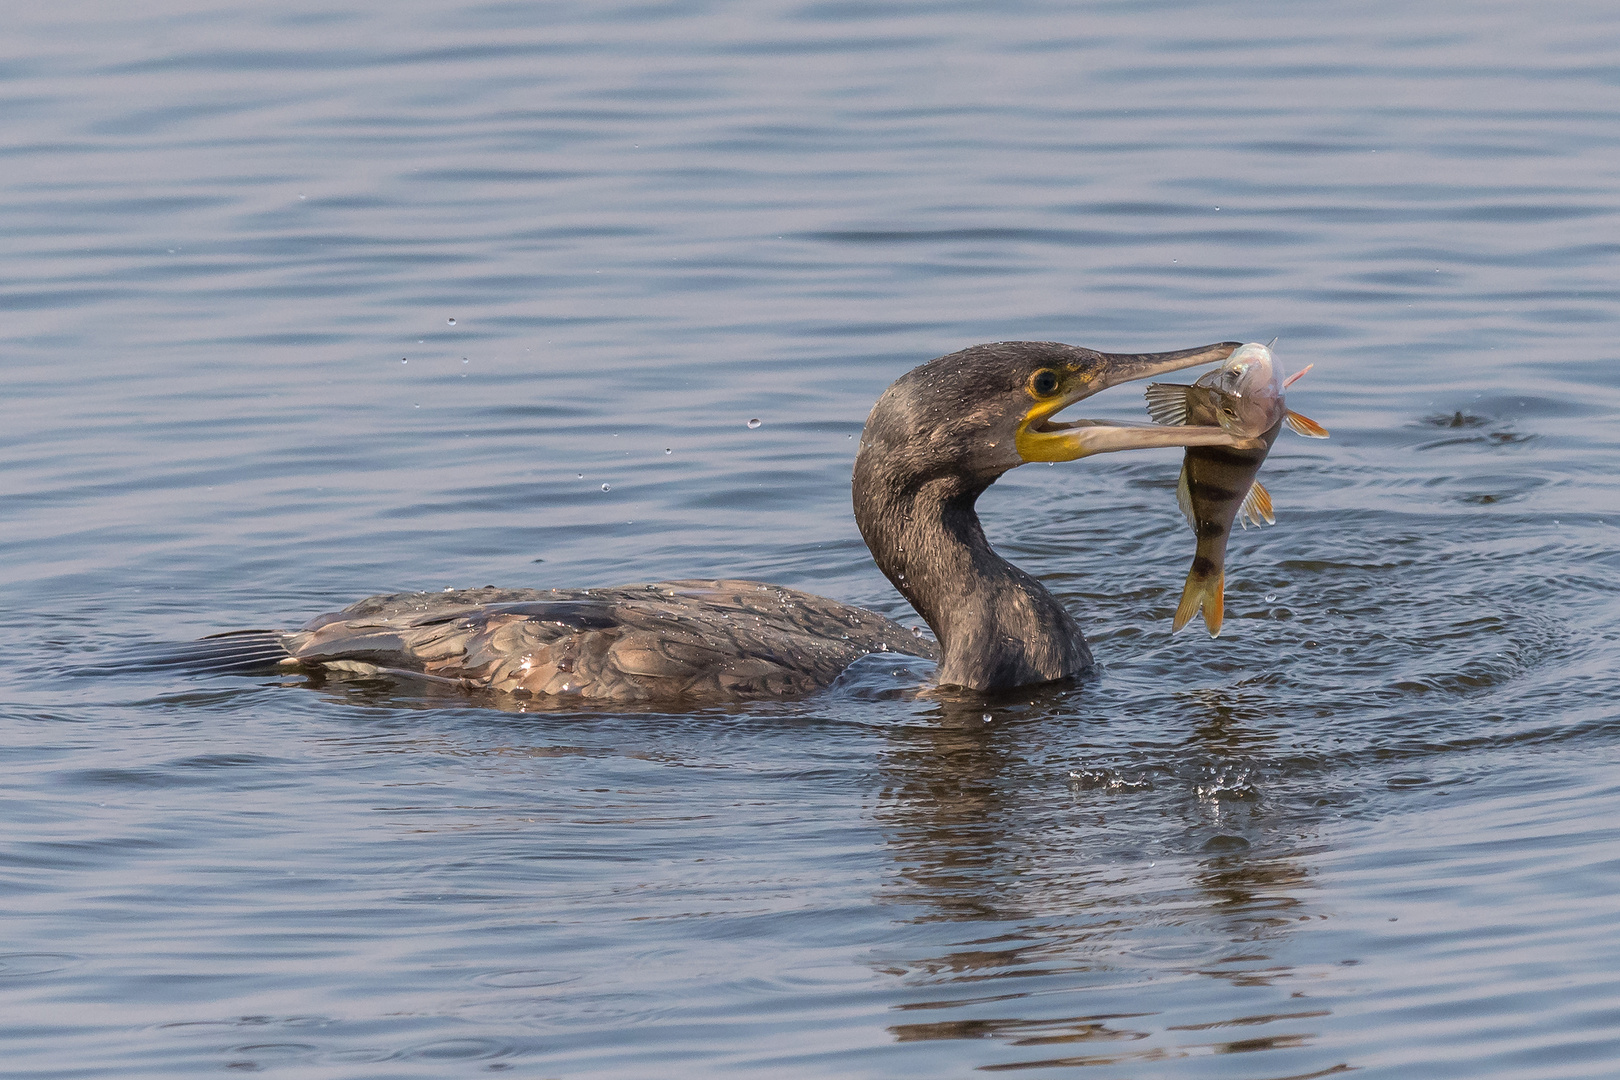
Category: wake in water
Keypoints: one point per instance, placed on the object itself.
(239, 652)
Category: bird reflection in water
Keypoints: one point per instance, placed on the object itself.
(1092, 893)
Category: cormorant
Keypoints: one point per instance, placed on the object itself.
(935, 440)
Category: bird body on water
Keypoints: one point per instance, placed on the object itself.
(935, 440)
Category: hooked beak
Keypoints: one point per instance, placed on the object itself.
(1043, 439)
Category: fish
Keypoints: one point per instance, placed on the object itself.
(1218, 486)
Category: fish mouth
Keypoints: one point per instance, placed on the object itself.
(1042, 437)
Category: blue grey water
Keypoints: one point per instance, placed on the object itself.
(308, 301)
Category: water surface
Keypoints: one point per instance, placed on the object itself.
(310, 303)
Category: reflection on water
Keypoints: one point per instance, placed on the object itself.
(1118, 888)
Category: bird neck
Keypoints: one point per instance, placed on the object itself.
(997, 627)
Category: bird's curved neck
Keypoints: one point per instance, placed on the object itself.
(997, 626)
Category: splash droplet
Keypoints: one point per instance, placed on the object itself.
(452, 322)
(403, 360)
(581, 476)
(604, 487)
(754, 423)
(668, 451)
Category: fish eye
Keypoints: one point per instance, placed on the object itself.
(1043, 383)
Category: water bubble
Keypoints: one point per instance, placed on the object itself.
(754, 423)
(452, 322)
(604, 487)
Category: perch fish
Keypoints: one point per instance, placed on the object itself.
(1218, 486)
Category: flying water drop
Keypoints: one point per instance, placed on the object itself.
(754, 423)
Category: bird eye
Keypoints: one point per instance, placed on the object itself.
(1044, 383)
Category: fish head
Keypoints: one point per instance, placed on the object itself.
(1248, 391)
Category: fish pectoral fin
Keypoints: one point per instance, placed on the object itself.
(1256, 508)
(1167, 403)
(1296, 376)
(1304, 425)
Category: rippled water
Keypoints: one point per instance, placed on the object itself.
(309, 302)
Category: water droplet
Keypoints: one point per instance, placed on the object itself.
(668, 451)
(303, 196)
(418, 405)
(754, 423)
(581, 476)
(452, 322)
(403, 360)
(1270, 597)
(604, 487)
(986, 718)
(463, 359)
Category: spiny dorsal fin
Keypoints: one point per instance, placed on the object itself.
(1304, 425)
(1256, 507)
(1167, 403)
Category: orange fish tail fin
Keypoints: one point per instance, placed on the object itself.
(1206, 590)
(1215, 605)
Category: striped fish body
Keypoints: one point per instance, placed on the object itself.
(1217, 488)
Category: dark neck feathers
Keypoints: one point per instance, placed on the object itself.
(997, 626)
